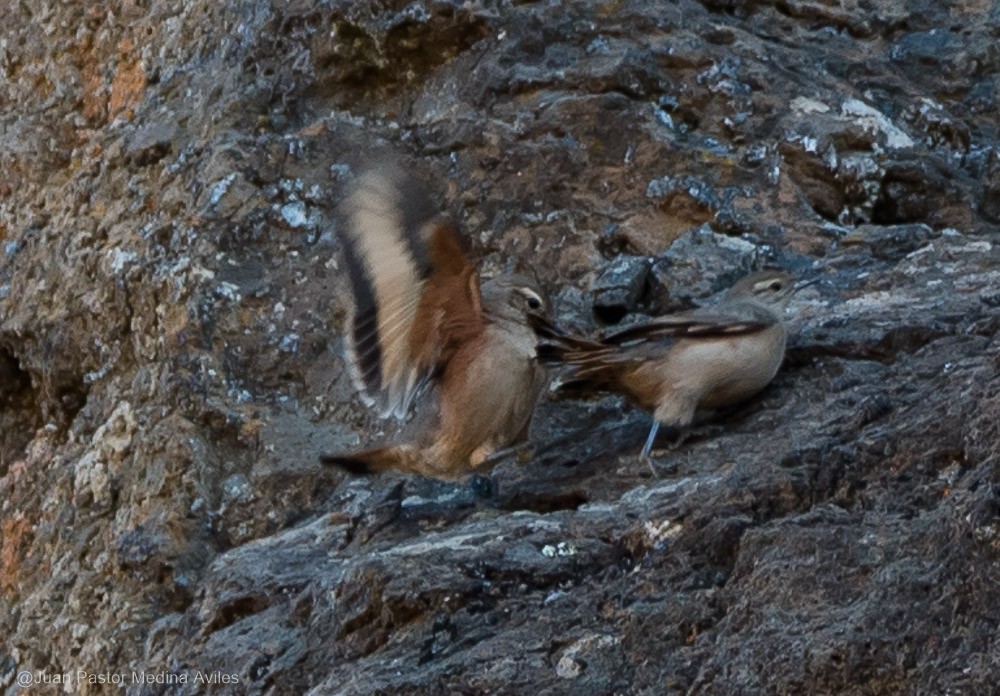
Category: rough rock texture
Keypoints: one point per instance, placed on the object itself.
(171, 308)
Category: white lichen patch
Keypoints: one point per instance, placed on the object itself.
(294, 213)
(439, 543)
(878, 302)
(977, 247)
(289, 343)
(561, 549)
(118, 260)
(103, 460)
(228, 291)
(220, 188)
(809, 106)
(736, 244)
(659, 532)
(677, 487)
(572, 665)
(875, 121)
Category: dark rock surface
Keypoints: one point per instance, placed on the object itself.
(171, 307)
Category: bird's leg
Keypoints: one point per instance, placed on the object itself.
(649, 446)
(649, 440)
(677, 434)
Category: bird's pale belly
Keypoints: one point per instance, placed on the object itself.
(493, 397)
(730, 371)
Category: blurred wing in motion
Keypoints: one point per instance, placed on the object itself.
(416, 295)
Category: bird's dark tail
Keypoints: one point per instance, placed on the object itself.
(551, 353)
(558, 347)
(594, 366)
(376, 460)
(353, 464)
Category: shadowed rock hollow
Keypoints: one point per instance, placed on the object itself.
(172, 304)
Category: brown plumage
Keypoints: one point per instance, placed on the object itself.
(674, 365)
(424, 327)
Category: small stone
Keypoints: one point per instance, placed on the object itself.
(990, 298)
(619, 287)
(568, 668)
(294, 213)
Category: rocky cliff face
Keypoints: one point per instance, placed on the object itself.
(171, 315)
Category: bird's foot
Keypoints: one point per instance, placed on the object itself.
(647, 457)
(660, 462)
(678, 435)
(521, 453)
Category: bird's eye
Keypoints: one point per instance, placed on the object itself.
(533, 299)
(776, 285)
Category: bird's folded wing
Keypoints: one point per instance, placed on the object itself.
(704, 325)
(416, 294)
(637, 344)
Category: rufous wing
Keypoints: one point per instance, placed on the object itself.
(451, 307)
(416, 293)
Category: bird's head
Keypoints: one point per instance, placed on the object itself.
(515, 296)
(772, 289)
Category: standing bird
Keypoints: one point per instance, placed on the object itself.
(421, 316)
(673, 365)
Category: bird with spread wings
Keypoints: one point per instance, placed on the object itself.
(426, 328)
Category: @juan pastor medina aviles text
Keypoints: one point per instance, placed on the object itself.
(27, 678)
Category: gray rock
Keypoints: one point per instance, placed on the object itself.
(172, 310)
(697, 265)
(619, 287)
